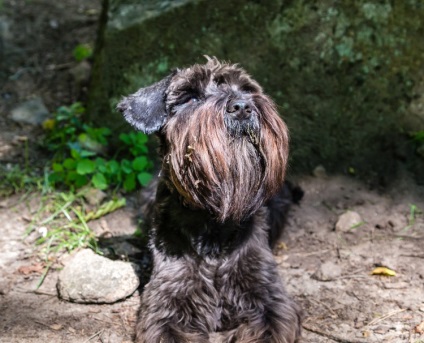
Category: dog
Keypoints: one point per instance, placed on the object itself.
(219, 207)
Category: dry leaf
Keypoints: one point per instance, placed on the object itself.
(282, 246)
(383, 271)
(34, 268)
(56, 327)
(420, 328)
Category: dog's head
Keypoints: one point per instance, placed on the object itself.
(225, 145)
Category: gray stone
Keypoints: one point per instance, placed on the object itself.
(90, 278)
(94, 196)
(347, 221)
(327, 271)
(32, 112)
(81, 72)
(319, 171)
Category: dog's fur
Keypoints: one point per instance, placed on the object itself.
(217, 209)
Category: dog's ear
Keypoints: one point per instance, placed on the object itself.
(145, 109)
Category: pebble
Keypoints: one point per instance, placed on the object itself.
(319, 172)
(327, 271)
(90, 278)
(94, 196)
(348, 220)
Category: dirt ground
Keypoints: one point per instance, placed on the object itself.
(354, 306)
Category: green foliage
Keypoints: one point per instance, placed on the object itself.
(61, 222)
(81, 154)
(82, 52)
(418, 136)
(14, 179)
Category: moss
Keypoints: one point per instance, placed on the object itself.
(342, 72)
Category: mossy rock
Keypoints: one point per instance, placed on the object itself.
(344, 74)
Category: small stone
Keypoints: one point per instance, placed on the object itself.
(319, 172)
(327, 271)
(90, 278)
(81, 72)
(94, 196)
(348, 220)
(32, 112)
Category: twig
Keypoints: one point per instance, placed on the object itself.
(332, 336)
(413, 255)
(95, 335)
(390, 314)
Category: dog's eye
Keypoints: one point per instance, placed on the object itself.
(188, 99)
(193, 100)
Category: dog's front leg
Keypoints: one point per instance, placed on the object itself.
(257, 307)
(179, 304)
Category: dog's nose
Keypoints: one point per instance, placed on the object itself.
(239, 109)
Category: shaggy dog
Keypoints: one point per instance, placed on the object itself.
(219, 205)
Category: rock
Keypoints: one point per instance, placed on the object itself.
(90, 278)
(94, 196)
(319, 172)
(282, 63)
(327, 271)
(81, 72)
(32, 112)
(347, 221)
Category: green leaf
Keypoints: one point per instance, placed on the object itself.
(144, 178)
(82, 51)
(129, 183)
(85, 166)
(125, 138)
(141, 138)
(55, 177)
(99, 181)
(70, 164)
(75, 154)
(101, 165)
(126, 166)
(140, 163)
(80, 181)
(57, 167)
(113, 167)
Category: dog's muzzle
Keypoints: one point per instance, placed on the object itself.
(239, 109)
(241, 119)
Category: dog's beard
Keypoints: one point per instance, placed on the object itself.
(230, 176)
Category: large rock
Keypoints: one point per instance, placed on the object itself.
(343, 73)
(90, 278)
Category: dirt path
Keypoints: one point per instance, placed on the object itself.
(353, 306)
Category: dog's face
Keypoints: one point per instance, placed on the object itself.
(225, 145)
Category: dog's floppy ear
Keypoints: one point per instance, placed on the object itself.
(145, 109)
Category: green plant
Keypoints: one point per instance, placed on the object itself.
(61, 224)
(418, 136)
(81, 154)
(82, 52)
(14, 179)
